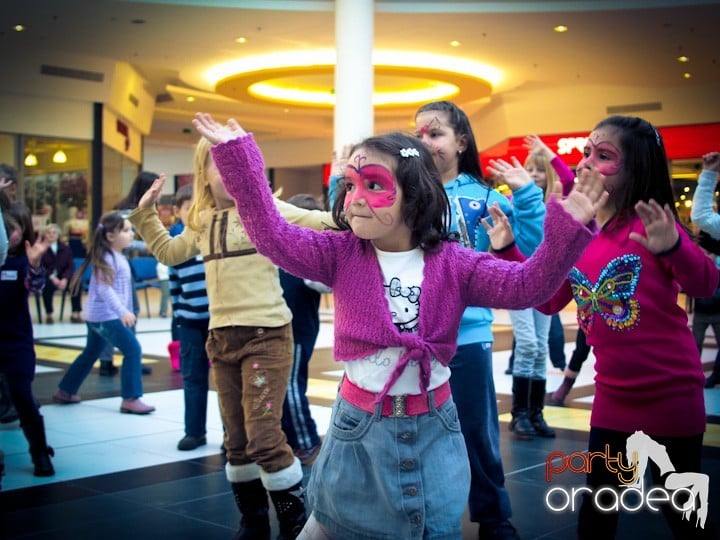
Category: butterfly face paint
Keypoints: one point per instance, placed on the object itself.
(374, 183)
(602, 152)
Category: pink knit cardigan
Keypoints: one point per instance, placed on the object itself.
(454, 277)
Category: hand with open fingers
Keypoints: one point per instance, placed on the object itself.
(340, 159)
(216, 132)
(514, 175)
(4, 182)
(586, 197)
(35, 251)
(128, 320)
(535, 145)
(151, 196)
(660, 231)
(499, 232)
(711, 161)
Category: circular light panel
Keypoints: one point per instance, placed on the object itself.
(306, 79)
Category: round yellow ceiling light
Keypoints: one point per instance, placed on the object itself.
(306, 79)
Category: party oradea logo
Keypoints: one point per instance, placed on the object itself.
(687, 492)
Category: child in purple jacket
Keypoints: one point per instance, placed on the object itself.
(394, 463)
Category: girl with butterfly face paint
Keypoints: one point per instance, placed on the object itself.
(394, 463)
(626, 283)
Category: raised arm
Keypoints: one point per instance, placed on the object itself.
(702, 213)
(303, 252)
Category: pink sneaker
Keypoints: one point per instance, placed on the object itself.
(135, 406)
(64, 398)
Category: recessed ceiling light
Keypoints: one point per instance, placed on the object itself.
(560, 28)
(687, 75)
(190, 99)
(19, 27)
(241, 40)
(455, 43)
(682, 58)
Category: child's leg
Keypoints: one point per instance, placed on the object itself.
(124, 339)
(685, 454)
(297, 422)
(593, 523)
(251, 366)
(313, 531)
(195, 372)
(82, 365)
(32, 423)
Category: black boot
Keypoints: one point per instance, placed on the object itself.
(7, 409)
(520, 424)
(537, 404)
(251, 500)
(290, 508)
(39, 449)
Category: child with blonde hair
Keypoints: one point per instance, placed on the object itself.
(249, 343)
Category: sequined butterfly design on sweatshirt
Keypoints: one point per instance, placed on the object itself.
(611, 296)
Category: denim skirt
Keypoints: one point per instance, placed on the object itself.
(381, 477)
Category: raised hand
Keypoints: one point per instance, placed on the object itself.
(215, 132)
(514, 175)
(711, 161)
(151, 196)
(660, 231)
(34, 251)
(535, 145)
(500, 232)
(588, 195)
(340, 160)
(4, 182)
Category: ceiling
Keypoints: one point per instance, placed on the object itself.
(171, 43)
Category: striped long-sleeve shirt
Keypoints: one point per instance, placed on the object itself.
(188, 291)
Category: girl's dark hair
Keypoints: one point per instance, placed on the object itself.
(19, 215)
(469, 160)
(645, 165)
(140, 185)
(109, 222)
(425, 205)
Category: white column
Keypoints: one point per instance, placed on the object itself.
(354, 32)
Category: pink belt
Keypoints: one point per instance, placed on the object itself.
(403, 405)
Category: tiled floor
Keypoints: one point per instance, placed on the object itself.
(120, 476)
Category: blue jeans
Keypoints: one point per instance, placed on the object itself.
(473, 390)
(99, 333)
(530, 328)
(195, 373)
(386, 477)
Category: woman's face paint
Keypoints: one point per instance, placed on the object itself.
(602, 151)
(373, 183)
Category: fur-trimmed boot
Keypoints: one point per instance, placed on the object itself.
(520, 424)
(39, 449)
(290, 508)
(537, 404)
(251, 499)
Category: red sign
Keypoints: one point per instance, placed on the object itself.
(681, 142)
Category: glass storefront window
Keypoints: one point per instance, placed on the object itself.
(56, 186)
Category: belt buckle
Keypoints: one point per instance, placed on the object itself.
(399, 405)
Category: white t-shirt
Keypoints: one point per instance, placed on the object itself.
(402, 278)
